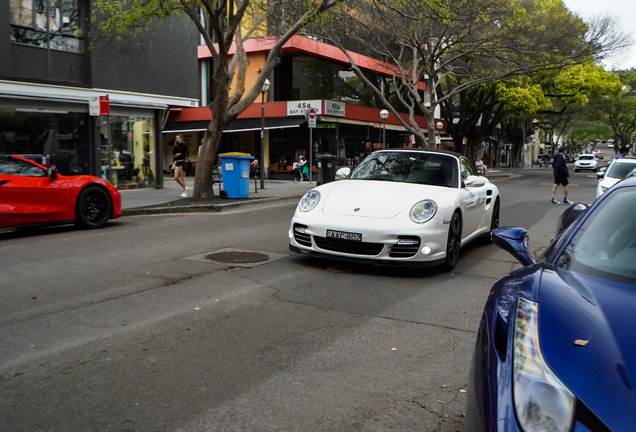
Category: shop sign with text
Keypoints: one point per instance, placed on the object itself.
(334, 108)
(299, 108)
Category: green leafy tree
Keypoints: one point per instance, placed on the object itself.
(224, 25)
(455, 46)
(617, 110)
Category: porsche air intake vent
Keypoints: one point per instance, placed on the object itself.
(405, 247)
(301, 236)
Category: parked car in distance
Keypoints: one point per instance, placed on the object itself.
(399, 207)
(617, 171)
(543, 159)
(32, 194)
(585, 162)
(555, 342)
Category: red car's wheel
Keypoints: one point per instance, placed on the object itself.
(93, 208)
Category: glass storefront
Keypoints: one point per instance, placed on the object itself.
(127, 151)
(62, 136)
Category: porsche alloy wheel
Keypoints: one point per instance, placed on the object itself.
(93, 208)
(454, 242)
(494, 221)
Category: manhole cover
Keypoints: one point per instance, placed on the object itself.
(237, 257)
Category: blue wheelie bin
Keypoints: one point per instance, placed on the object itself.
(236, 174)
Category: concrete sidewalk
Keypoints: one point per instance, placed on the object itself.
(167, 200)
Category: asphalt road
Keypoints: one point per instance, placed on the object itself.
(128, 329)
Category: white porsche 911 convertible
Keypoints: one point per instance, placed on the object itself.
(398, 207)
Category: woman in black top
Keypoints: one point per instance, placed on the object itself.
(180, 153)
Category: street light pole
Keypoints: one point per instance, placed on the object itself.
(384, 114)
(262, 161)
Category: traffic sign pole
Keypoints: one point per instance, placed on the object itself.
(311, 123)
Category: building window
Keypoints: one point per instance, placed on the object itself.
(53, 24)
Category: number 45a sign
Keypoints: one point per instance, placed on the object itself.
(336, 109)
(295, 108)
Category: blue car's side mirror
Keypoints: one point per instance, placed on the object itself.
(515, 241)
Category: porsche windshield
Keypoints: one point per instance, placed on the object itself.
(409, 167)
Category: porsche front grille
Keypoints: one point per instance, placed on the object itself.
(348, 246)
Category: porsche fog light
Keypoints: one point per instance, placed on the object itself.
(290, 234)
(542, 402)
(426, 250)
(423, 211)
(309, 201)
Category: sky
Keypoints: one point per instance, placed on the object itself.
(624, 11)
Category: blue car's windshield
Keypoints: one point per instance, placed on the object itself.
(605, 246)
(409, 167)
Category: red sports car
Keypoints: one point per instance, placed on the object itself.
(32, 194)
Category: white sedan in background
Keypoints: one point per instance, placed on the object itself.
(398, 207)
(617, 171)
(585, 162)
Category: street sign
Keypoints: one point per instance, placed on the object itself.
(298, 108)
(93, 106)
(334, 108)
(98, 105)
(465, 141)
(104, 105)
(311, 118)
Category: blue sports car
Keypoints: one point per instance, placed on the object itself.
(556, 346)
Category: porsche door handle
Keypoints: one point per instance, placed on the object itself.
(3, 182)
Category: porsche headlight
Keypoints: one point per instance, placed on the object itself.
(423, 211)
(309, 201)
(542, 402)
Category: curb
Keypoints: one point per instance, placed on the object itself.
(206, 208)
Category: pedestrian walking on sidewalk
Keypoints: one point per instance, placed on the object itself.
(561, 175)
(180, 155)
(296, 170)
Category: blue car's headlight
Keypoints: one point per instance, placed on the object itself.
(542, 402)
(423, 211)
(309, 201)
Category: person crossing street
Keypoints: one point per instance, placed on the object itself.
(561, 175)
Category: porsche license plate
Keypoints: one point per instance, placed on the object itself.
(344, 235)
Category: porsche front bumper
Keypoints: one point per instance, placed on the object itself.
(394, 241)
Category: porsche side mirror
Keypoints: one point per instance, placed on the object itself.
(343, 173)
(515, 241)
(474, 181)
(52, 172)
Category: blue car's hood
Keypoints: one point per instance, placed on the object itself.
(602, 373)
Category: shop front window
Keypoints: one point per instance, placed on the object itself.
(128, 151)
(60, 139)
(51, 24)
